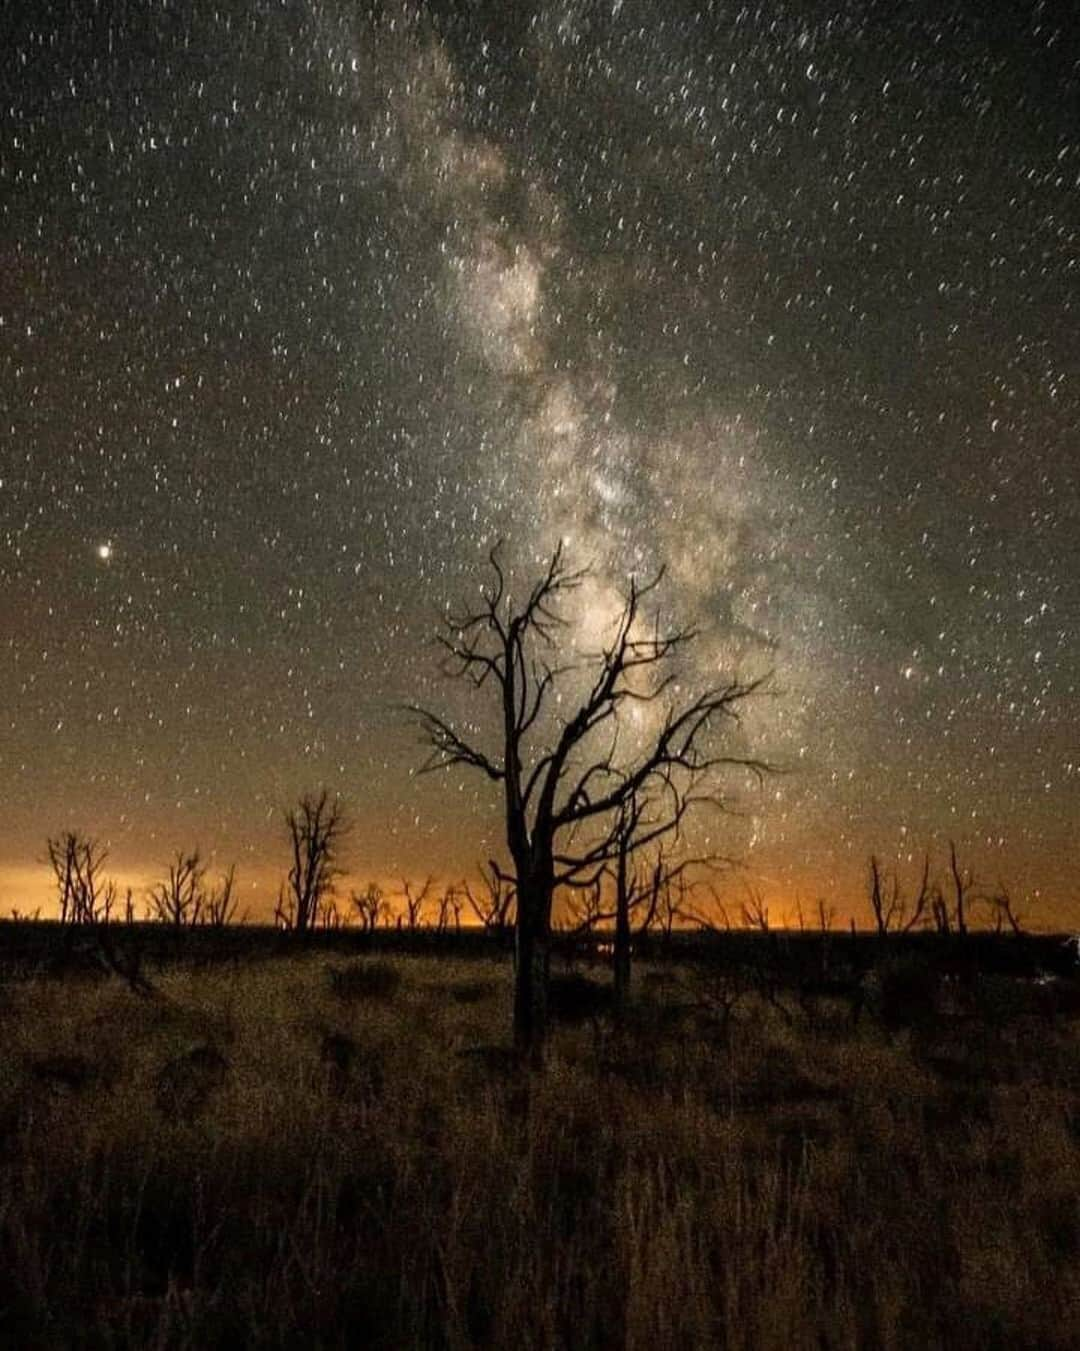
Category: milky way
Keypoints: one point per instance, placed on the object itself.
(304, 307)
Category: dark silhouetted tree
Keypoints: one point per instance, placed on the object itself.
(220, 905)
(1003, 911)
(317, 828)
(84, 896)
(181, 898)
(493, 901)
(370, 906)
(891, 910)
(450, 905)
(963, 883)
(649, 893)
(415, 899)
(564, 781)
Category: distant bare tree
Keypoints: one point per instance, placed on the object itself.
(891, 911)
(949, 917)
(1001, 905)
(450, 904)
(634, 897)
(493, 902)
(86, 901)
(675, 904)
(180, 898)
(765, 968)
(716, 919)
(415, 899)
(963, 883)
(646, 895)
(626, 894)
(84, 896)
(755, 911)
(184, 899)
(220, 905)
(317, 828)
(563, 788)
(370, 906)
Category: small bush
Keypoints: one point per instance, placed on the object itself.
(365, 980)
(907, 994)
(576, 999)
(70, 1072)
(472, 991)
(187, 1082)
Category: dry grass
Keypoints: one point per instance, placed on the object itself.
(292, 1154)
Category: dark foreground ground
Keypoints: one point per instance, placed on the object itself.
(256, 1145)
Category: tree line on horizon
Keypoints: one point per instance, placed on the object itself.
(664, 899)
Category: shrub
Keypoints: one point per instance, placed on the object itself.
(365, 980)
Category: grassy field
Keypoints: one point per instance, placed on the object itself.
(325, 1150)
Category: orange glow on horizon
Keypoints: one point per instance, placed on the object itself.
(28, 890)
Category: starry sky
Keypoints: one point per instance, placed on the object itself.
(304, 305)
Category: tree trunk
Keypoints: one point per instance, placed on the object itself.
(531, 967)
(621, 952)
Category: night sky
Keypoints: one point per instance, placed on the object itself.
(304, 306)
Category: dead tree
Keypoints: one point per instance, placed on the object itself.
(84, 896)
(86, 900)
(180, 899)
(949, 918)
(939, 911)
(645, 895)
(1004, 913)
(765, 967)
(755, 911)
(674, 906)
(626, 893)
(370, 906)
(963, 883)
(415, 900)
(493, 906)
(449, 914)
(317, 828)
(891, 911)
(220, 905)
(557, 759)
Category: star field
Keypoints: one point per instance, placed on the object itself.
(302, 307)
